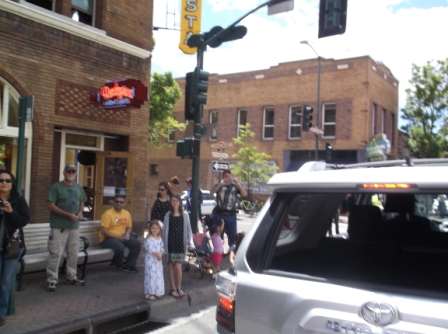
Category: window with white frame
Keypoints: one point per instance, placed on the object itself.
(329, 119)
(392, 129)
(242, 119)
(214, 124)
(9, 121)
(295, 122)
(383, 121)
(268, 123)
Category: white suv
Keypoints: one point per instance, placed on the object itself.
(388, 273)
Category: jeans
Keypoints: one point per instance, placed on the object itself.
(118, 247)
(229, 225)
(7, 271)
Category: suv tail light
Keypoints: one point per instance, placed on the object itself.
(226, 288)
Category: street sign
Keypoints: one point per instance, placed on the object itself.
(221, 155)
(221, 145)
(316, 130)
(219, 165)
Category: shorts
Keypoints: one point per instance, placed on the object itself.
(216, 258)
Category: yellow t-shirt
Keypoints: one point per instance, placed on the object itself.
(116, 222)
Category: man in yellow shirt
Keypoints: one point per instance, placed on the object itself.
(115, 233)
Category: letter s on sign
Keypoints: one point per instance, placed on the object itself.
(191, 5)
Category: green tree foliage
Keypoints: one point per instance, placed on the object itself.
(252, 166)
(426, 109)
(164, 93)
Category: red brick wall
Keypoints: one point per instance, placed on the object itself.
(60, 70)
(353, 88)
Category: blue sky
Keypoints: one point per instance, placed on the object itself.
(396, 32)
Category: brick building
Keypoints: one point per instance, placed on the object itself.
(358, 99)
(62, 52)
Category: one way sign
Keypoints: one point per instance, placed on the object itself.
(219, 165)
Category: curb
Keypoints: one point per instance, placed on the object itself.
(127, 315)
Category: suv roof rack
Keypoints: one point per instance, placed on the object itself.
(407, 162)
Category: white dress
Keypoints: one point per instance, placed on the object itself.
(154, 282)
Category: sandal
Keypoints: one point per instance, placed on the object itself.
(159, 297)
(174, 293)
(152, 297)
(180, 293)
(147, 297)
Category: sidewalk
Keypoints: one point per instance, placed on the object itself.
(108, 291)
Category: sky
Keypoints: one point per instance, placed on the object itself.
(397, 33)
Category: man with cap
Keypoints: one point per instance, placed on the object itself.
(226, 196)
(66, 204)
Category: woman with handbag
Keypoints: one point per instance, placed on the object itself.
(14, 215)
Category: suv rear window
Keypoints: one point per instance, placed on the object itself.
(388, 239)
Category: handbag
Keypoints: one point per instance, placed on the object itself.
(12, 249)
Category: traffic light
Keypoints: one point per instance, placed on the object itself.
(188, 148)
(332, 17)
(200, 86)
(328, 152)
(189, 106)
(307, 118)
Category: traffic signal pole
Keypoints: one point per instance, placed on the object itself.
(196, 160)
(201, 41)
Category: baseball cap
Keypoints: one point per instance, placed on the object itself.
(69, 167)
(226, 171)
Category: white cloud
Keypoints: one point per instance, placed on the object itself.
(397, 37)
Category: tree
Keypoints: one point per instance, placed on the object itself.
(425, 110)
(164, 93)
(252, 166)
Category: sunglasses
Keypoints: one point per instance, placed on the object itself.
(71, 171)
(119, 202)
(162, 189)
(5, 180)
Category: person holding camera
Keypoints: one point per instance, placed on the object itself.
(226, 197)
(14, 215)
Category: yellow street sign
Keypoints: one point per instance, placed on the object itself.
(190, 23)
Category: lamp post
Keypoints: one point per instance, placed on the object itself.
(316, 153)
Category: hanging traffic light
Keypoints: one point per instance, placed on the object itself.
(328, 152)
(307, 118)
(189, 106)
(332, 17)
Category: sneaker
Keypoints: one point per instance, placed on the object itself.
(75, 281)
(51, 287)
(213, 277)
(2, 321)
(131, 270)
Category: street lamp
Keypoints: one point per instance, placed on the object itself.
(316, 153)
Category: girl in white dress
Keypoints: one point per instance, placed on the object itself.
(154, 283)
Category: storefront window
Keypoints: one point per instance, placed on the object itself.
(9, 122)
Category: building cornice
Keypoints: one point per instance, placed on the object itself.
(63, 23)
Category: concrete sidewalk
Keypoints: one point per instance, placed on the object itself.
(108, 292)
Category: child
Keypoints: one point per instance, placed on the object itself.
(218, 249)
(234, 247)
(154, 283)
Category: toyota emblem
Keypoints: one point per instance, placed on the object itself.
(378, 313)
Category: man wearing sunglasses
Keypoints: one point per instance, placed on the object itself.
(115, 233)
(66, 204)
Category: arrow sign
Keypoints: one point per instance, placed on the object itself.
(316, 130)
(219, 165)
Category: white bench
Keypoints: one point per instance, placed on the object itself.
(36, 242)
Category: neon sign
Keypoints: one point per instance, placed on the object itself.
(121, 94)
